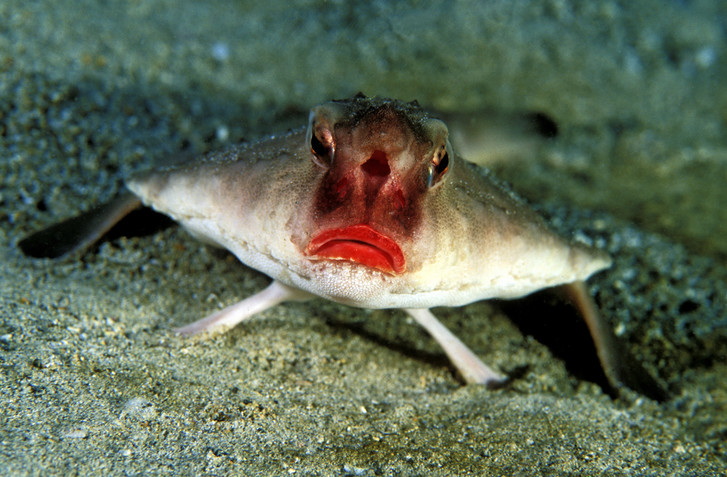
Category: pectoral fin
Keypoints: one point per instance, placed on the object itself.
(619, 365)
(227, 318)
(81, 231)
(472, 369)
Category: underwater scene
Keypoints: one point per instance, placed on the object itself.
(551, 185)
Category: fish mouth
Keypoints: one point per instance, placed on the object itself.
(359, 244)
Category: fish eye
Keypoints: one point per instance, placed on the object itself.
(317, 147)
(438, 166)
(322, 148)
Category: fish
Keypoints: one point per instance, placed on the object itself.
(369, 206)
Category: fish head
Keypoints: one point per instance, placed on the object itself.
(377, 161)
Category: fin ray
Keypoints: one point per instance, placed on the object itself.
(80, 232)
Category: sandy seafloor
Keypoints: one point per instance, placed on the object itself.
(94, 382)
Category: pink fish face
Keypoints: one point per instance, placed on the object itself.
(378, 162)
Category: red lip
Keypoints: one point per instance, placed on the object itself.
(360, 244)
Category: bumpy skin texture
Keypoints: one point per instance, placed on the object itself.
(369, 206)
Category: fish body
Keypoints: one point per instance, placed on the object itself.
(367, 225)
(368, 206)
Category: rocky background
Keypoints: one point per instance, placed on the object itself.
(95, 382)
